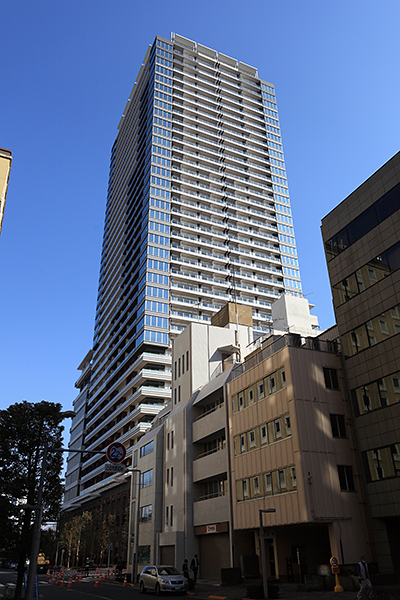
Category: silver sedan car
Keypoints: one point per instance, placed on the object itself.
(162, 578)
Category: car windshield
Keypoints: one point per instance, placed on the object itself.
(168, 571)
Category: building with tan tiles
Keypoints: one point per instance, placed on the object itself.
(362, 244)
(5, 168)
(293, 451)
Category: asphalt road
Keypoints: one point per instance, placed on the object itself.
(84, 589)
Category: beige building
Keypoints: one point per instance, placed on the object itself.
(362, 244)
(5, 168)
(293, 451)
(196, 499)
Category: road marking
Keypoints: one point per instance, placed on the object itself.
(218, 597)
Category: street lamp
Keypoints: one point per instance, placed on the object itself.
(263, 560)
(69, 414)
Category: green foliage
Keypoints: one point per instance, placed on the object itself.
(25, 430)
(256, 591)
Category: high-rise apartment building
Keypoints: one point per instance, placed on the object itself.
(198, 214)
(362, 245)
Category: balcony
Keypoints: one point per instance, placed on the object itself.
(211, 465)
(209, 423)
(217, 506)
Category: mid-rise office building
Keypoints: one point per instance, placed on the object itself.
(362, 244)
(273, 431)
(198, 213)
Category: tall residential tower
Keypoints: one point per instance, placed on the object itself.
(198, 214)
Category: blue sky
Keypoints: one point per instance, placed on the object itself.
(67, 70)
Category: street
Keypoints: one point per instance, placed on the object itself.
(82, 589)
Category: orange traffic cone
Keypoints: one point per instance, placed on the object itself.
(48, 574)
(62, 584)
(96, 585)
(125, 584)
(70, 582)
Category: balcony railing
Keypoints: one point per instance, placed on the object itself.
(212, 451)
(209, 496)
(210, 410)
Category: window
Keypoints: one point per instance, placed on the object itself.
(187, 360)
(172, 439)
(167, 441)
(179, 393)
(175, 368)
(287, 425)
(144, 555)
(260, 387)
(175, 396)
(146, 478)
(183, 364)
(277, 429)
(245, 488)
(338, 426)
(241, 401)
(272, 384)
(172, 476)
(145, 513)
(167, 476)
(346, 479)
(383, 325)
(293, 476)
(282, 479)
(171, 512)
(179, 367)
(264, 434)
(367, 402)
(243, 443)
(256, 486)
(331, 379)
(252, 438)
(283, 375)
(268, 483)
(135, 458)
(166, 515)
(251, 396)
(147, 448)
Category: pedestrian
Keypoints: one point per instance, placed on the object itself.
(194, 566)
(363, 577)
(185, 569)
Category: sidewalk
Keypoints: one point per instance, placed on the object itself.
(287, 591)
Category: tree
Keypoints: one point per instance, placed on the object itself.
(107, 534)
(25, 428)
(72, 533)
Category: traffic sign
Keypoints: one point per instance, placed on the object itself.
(334, 564)
(116, 452)
(114, 468)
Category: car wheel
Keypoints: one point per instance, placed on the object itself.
(158, 590)
(142, 588)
